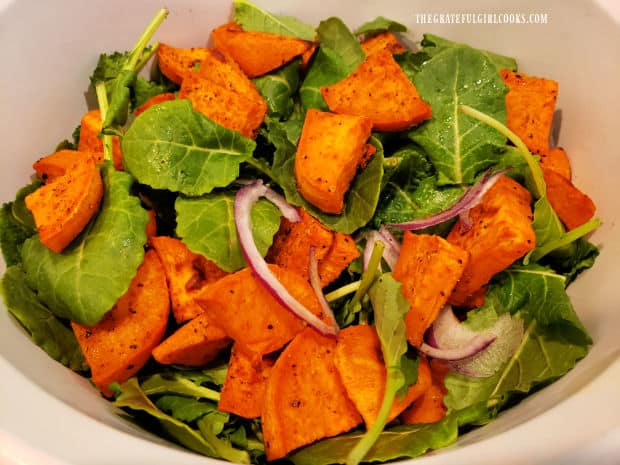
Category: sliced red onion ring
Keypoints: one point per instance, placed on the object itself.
(468, 200)
(473, 346)
(245, 199)
(391, 250)
(315, 282)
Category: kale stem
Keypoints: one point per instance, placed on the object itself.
(540, 189)
(102, 100)
(146, 56)
(343, 291)
(138, 49)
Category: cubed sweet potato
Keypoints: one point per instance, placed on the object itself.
(243, 393)
(257, 52)
(64, 206)
(251, 315)
(224, 106)
(187, 273)
(55, 165)
(194, 344)
(501, 233)
(363, 374)
(90, 129)
(428, 408)
(380, 91)
(342, 252)
(176, 63)
(429, 267)
(382, 41)
(572, 206)
(165, 97)
(121, 343)
(556, 159)
(305, 399)
(530, 103)
(330, 149)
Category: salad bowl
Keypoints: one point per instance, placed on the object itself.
(48, 414)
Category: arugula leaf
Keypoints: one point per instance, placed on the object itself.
(84, 281)
(432, 45)
(361, 199)
(176, 383)
(406, 167)
(253, 18)
(44, 328)
(207, 226)
(171, 146)
(411, 62)
(581, 256)
(16, 225)
(278, 88)
(187, 409)
(458, 145)
(339, 54)
(389, 308)
(129, 395)
(380, 24)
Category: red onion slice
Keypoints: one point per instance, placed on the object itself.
(315, 282)
(473, 347)
(245, 199)
(391, 251)
(468, 200)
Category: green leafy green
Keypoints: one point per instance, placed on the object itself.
(581, 256)
(16, 225)
(432, 45)
(187, 409)
(339, 54)
(175, 382)
(253, 18)
(171, 146)
(278, 88)
(361, 199)
(380, 24)
(84, 281)
(207, 226)
(44, 328)
(411, 62)
(458, 145)
(389, 309)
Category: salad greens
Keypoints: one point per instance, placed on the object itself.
(188, 169)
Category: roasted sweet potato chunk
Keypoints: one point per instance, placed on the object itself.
(187, 274)
(382, 41)
(428, 268)
(556, 159)
(194, 344)
(501, 233)
(572, 206)
(380, 91)
(334, 251)
(530, 103)
(246, 381)
(257, 52)
(64, 206)
(251, 316)
(121, 343)
(363, 374)
(330, 149)
(55, 165)
(305, 399)
(429, 407)
(90, 128)
(176, 63)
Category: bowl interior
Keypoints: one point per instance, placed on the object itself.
(48, 51)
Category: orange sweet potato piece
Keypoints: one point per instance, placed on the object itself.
(306, 57)
(379, 90)
(187, 273)
(572, 206)
(330, 149)
(90, 127)
(334, 251)
(251, 316)
(305, 399)
(121, 343)
(530, 103)
(224, 106)
(428, 408)
(555, 159)
(257, 52)
(243, 392)
(151, 226)
(501, 233)
(428, 268)
(363, 374)
(55, 165)
(194, 344)
(176, 63)
(63, 207)
(382, 41)
(165, 97)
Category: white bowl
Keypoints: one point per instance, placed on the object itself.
(48, 50)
